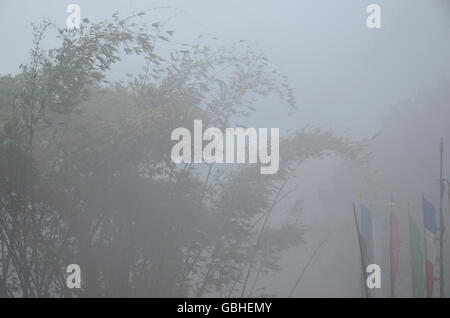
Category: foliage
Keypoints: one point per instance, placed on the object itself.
(86, 175)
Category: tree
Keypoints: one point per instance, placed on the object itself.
(87, 177)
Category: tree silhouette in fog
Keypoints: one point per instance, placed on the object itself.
(86, 175)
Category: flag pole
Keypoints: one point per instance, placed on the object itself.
(425, 249)
(388, 253)
(391, 204)
(360, 251)
(441, 225)
(372, 240)
(411, 261)
(448, 189)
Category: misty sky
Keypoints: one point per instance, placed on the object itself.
(345, 76)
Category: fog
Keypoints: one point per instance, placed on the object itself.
(371, 106)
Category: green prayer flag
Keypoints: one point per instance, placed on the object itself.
(417, 266)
